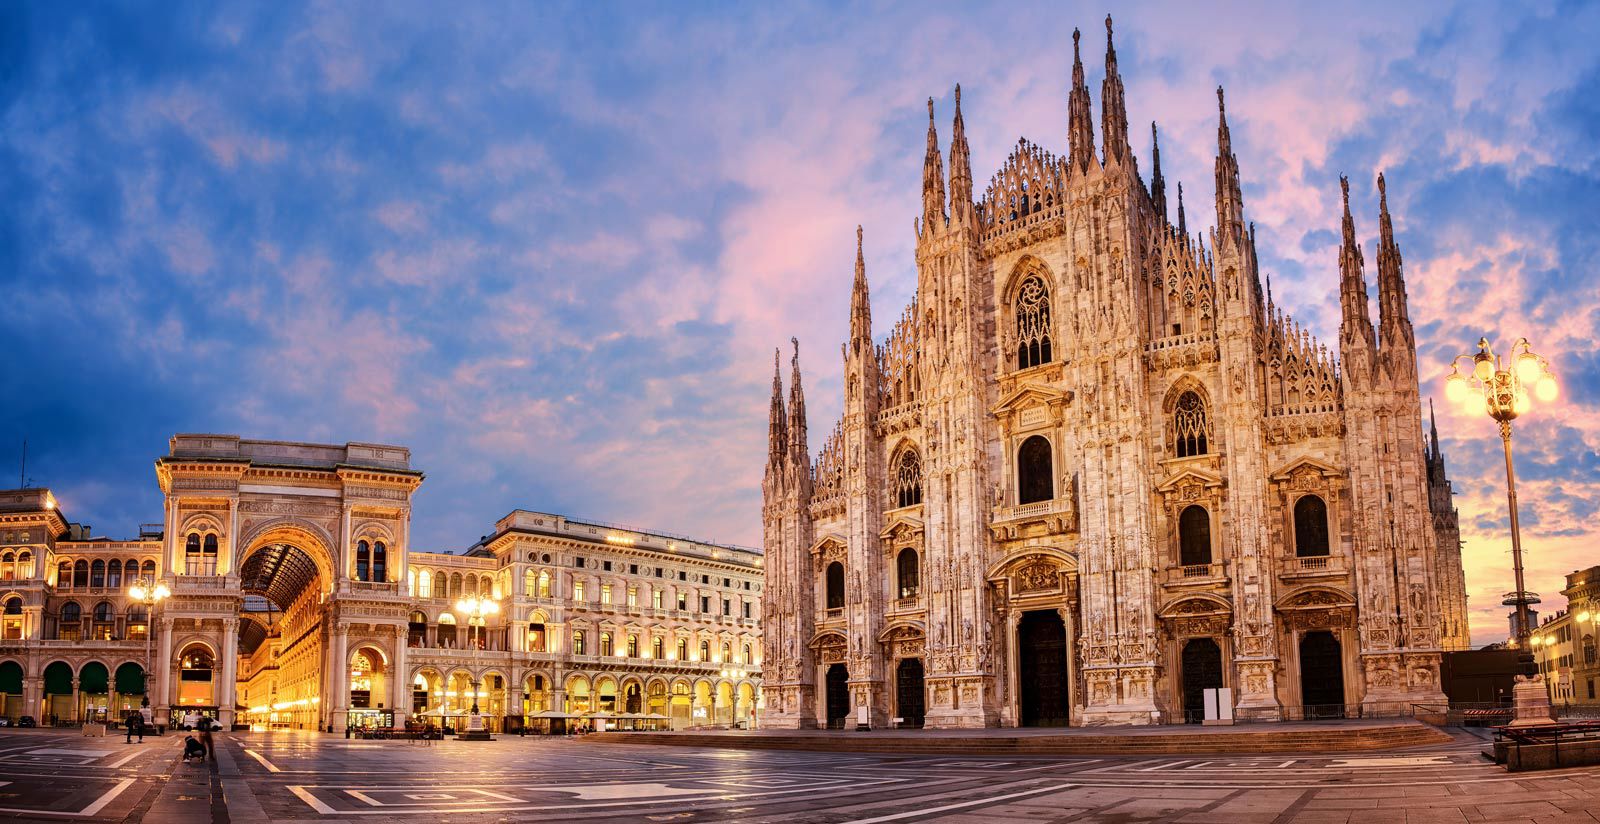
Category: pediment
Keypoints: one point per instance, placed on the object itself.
(1305, 462)
(1190, 476)
(901, 523)
(821, 544)
(1028, 395)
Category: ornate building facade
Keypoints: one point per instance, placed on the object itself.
(1094, 469)
(298, 601)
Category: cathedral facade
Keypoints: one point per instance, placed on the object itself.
(1094, 471)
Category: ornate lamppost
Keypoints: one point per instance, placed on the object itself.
(148, 592)
(1503, 387)
(476, 610)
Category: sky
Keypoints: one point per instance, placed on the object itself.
(551, 247)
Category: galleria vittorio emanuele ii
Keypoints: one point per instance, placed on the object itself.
(1094, 470)
(294, 600)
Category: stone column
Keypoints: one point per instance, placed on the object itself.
(1072, 675)
(400, 678)
(33, 696)
(161, 684)
(341, 677)
(1014, 667)
(230, 674)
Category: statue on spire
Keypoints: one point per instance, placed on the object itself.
(1080, 152)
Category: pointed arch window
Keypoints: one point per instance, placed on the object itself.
(835, 585)
(1190, 425)
(1034, 472)
(908, 479)
(1194, 536)
(1033, 323)
(1310, 527)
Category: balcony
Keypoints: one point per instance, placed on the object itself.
(376, 587)
(1195, 575)
(1313, 566)
(1057, 514)
(191, 583)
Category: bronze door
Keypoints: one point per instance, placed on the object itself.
(1321, 675)
(1202, 670)
(1042, 674)
(838, 695)
(908, 693)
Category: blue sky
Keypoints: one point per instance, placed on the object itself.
(551, 247)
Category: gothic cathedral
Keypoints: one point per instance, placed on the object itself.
(1094, 471)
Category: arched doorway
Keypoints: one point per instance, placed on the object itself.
(908, 692)
(370, 702)
(838, 695)
(1042, 669)
(632, 698)
(1201, 668)
(57, 692)
(11, 690)
(283, 576)
(1321, 675)
(94, 692)
(196, 681)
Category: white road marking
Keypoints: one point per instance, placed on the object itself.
(102, 801)
(125, 759)
(614, 792)
(271, 767)
(964, 804)
(311, 799)
(1394, 761)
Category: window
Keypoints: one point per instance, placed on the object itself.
(114, 573)
(97, 573)
(11, 624)
(605, 593)
(656, 648)
(659, 572)
(655, 598)
(8, 565)
(705, 604)
(80, 574)
(577, 562)
(908, 479)
(683, 649)
(138, 622)
(425, 584)
(682, 575)
(529, 583)
(705, 651)
(747, 609)
(577, 590)
(1035, 481)
(148, 569)
(633, 596)
(544, 584)
(1033, 323)
(605, 643)
(1310, 527)
(607, 566)
(705, 579)
(746, 658)
(835, 585)
(683, 602)
(64, 575)
(633, 646)
(363, 561)
(577, 642)
(1190, 426)
(103, 619)
(71, 621)
(906, 572)
(727, 653)
(380, 562)
(633, 569)
(726, 582)
(536, 638)
(1194, 536)
(727, 607)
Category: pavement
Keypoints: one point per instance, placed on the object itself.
(297, 777)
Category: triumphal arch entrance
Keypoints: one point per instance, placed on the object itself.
(285, 561)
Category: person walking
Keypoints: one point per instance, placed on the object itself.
(205, 726)
(134, 724)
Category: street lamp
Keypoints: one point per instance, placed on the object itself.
(148, 592)
(1502, 387)
(476, 609)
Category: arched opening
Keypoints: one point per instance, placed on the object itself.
(114, 573)
(1194, 536)
(682, 705)
(11, 620)
(1190, 426)
(416, 629)
(94, 692)
(104, 622)
(1321, 675)
(746, 704)
(447, 631)
(1035, 479)
(908, 479)
(835, 585)
(283, 586)
(97, 574)
(196, 683)
(363, 560)
(80, 574)
(1033, 322)
(1201, 668)
(11, 690)
(535, 695)
(838, 695)
(906, 572)
(724, 706)
(632, 698)
(578, 695)
(129, 682)
(57, 693)
(369, 689)
(380, 562)
(1042, 669)
(909, 695)
(1310, 527)
(536, 637)
(71, 621)
(656, 699)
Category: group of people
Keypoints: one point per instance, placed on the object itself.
(198, 746)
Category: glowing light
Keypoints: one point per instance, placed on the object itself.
(1547, 390)
(1528, 367)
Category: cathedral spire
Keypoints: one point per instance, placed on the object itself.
(1230, 202)
(798, 451)
(1393, 317)
(777, 433)
(1433, 436)
(1158, 185)
(1080, 152)
(1113, 110)
(932, 179)
(860, 305)
(960, 166)
(1356, 325)
(1183, 225)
